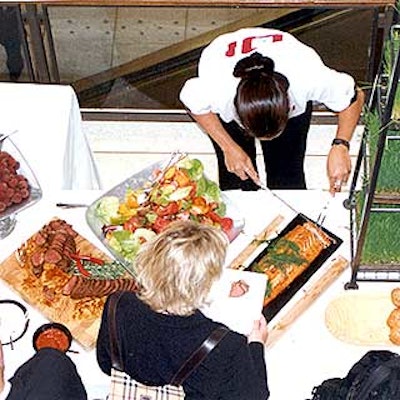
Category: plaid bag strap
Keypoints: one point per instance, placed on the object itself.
(116, 360)
(199, 355)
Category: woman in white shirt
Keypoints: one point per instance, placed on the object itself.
(261, 83)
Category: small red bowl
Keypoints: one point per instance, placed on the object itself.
(53, 335)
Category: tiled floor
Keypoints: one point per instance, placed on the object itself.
(124, 148)
(90, 40)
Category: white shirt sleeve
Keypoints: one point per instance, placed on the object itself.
(195, 96)
(333, 89)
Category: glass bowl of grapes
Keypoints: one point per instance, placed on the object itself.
(19, 188)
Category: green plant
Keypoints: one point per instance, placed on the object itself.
(388, 178)
(382, 245)
(382, 242)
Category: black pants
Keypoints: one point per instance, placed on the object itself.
(283, 156)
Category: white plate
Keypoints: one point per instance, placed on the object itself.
(14, 321)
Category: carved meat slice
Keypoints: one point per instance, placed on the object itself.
(79, 287)
(53, 245)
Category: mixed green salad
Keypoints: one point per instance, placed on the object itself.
(179, 192)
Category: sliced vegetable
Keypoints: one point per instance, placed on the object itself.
(81, 268)
(82, 257)
(107, 208)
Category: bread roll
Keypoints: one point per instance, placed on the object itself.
(395, 295)
(394, 319)
(394, 335)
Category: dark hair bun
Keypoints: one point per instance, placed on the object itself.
(254, 66)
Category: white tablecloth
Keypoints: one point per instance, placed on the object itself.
(48, 121)
(305, 355)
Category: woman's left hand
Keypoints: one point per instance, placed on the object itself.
(338, 168)
(259, 333)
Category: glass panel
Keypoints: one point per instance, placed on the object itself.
(139, 57)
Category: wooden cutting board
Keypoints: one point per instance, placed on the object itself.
(82, 317)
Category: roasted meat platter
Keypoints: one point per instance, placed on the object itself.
(65, 277)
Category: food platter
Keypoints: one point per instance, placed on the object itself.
(155, 190)
(287, 264)
(360, 318)
(66, 293)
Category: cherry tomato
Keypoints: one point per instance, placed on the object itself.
(226, 224)
(171, 209)
(160, 224)
(133, 223)
(131, 201)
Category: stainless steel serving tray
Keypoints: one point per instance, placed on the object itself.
(140, 180)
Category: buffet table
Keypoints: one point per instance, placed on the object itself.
(306, 352)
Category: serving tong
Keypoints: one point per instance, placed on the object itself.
(324, 211)
(322, 215)
(4, 136)
(175, 157)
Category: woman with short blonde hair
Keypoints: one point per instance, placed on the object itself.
(161, 326)
(177, 269)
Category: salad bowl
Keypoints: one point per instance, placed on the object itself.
(138, 208)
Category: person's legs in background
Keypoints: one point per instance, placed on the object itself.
(48, 375)
(11, 39)
(284, 155)
(228, 180)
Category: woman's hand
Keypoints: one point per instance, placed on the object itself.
(259, 333)
(338, 168)
(339, 164)
(239, 163)
(236, 160)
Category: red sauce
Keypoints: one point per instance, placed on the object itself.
(53, 338)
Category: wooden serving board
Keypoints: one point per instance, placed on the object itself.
(337, 266)
(285, 284)
(360, 318)
(82, 317)
(265, 234)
